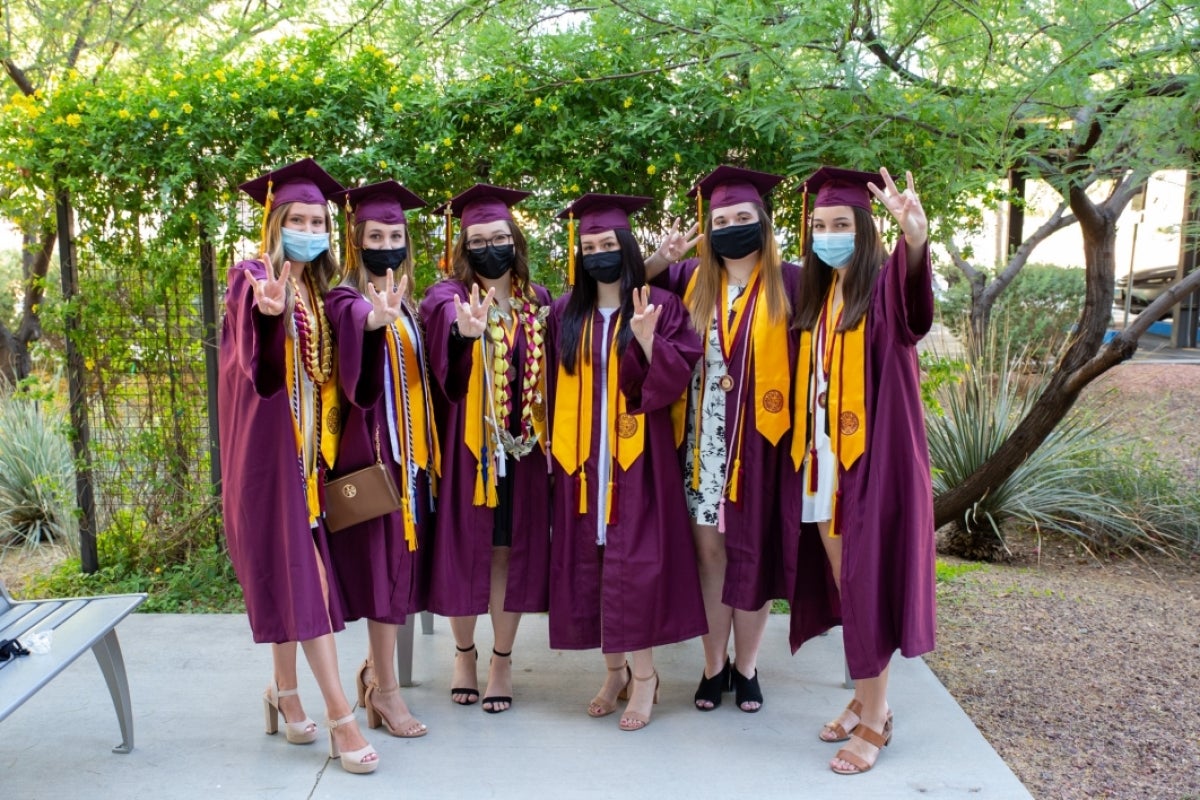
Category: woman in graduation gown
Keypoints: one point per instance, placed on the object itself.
(279, 420)
(739, 295)
(623, 566)
(867, 500)
(485, 330)
(389, 419)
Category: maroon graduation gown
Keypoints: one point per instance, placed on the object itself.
(886, 504)
(462, 542)
(644, 590)
(270, 541)
(376, 574)
(756, 570)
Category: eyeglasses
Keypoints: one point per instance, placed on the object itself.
(499, 240)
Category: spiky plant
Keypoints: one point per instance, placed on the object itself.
(37, 473)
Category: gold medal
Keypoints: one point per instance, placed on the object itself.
(726, 383)
(821, 399)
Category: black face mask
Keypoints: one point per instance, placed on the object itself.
(603, 267)
(493, 261)
(378, 262)
(736, 241)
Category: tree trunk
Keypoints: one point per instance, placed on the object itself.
(36, 256)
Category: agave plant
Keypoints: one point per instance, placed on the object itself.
(37, 473)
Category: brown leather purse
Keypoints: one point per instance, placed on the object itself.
(361, 495)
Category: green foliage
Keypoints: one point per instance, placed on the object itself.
(1034, 316)
(937, 371)
(946, 572)
(37, 474)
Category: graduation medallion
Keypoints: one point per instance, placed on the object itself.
(773, 401)
(726, 383)
(821, 399)
(848, 423)
(627, 425)
(333, 422)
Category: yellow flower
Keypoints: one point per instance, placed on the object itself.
(235, 95)
(172, 94)
(678, 158)
(397, 107)
(153, 113)
(123, 113)
(312, 113)
(393, 89)
(89, 363)
(318, 80)
(574, 187)
(382, 164)
(628, 102)
(220, 75)
(650, 170)
(417, 79)
(554, 106)
(73, 120)
(166, 126)
(449, 165)
(178, 76)
(447, 141)
(179, 131)
(187, 108)
(537, 101)
(273, 113)
(518, 128)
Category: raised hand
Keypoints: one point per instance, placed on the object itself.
(271, 292)
(472, 315)
(904, 206)
(676, 245)
(645, 319)
(387, 305)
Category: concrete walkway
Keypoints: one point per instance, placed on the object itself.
(197, 682)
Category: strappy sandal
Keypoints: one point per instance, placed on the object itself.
(471, 695)
(634, 720)
(834, 731)
(872, 737)
(599, 707)
(361, 682)
(408, 728)
(495, 700)
(711, 689)
(747, 690)
(362, 761)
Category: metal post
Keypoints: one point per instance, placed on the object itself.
(208, 307)
(1183, 329)
(84, 493)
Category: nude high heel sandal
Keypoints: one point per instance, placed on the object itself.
(634, 720)
(354, 761)
(361, 682)
(303, 732)
(599, 707)
(408, 728)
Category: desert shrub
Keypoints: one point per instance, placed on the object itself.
(37, 474)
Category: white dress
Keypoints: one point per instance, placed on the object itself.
(818, 507)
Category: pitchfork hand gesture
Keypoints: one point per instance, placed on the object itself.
(645, 320)
(386, 306)
(271, 292)
(472, 315)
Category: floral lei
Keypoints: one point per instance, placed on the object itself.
(533, 320)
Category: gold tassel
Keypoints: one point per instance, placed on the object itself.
(803, 216)
(733, 483)
(267, 213)
(699, 221)
(479, 497)
(493, 499)
(446, 268)
(349, 238)
(583, 504)
(410, 527)
(608, 503)
(571, 248)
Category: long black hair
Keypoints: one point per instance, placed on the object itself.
(860, 276)
(581, 304)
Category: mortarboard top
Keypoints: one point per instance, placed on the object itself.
(841, 187)
(598, 213)
(483, 203)
(383, 202)
(727, 186)
(301, 182)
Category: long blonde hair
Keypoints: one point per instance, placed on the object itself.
(323, 270)
(703, 302)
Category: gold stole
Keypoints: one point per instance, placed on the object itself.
(571, 437)
(328, 428)
(422, 448)
(846, 402)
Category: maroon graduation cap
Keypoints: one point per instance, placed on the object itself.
(301, 182)
(483, 203)
(598, 213)
(383, 202)
(727, 186)
(835, 186)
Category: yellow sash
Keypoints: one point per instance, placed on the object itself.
(571, 436)
(474, 434)
(328, 428)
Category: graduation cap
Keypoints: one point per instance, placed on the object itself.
(727, 186)
(835, 186)
(384, 202)
(598, 213)
(301, 182)
(480, 204)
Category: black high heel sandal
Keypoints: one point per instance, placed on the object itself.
(747, 690)
(498, 699)
(471, 694)
(711, 689)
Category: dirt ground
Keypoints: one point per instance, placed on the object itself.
(1084, 674)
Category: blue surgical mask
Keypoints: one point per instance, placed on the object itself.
(835, 249)
(304, 247)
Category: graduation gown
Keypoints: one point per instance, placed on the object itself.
(462, 541)
(378, 577)
(271, 543)
(886, 503)
(644, 589)
(756, 570)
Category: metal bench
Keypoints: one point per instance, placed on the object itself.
(79, 624)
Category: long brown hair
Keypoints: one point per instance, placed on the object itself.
(357, 275)
(461, 266)
(323, 270)
(859, 276)
(703, 302)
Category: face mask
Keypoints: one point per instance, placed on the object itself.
(604, 267)
(492, 262)
(736, 241)
(304, 247)
(835, 249)
(378, 262)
